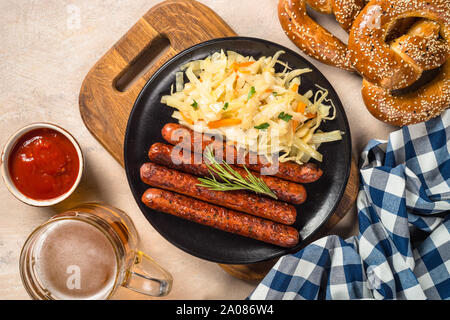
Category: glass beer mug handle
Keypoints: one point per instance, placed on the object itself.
(148, 277)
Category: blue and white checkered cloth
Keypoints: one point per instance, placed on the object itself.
(402, 250)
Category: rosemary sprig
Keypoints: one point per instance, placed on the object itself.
(230, 179)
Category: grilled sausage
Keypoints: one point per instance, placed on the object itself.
(178, 159)
(184, 183)
(220, 218)
(177, 134)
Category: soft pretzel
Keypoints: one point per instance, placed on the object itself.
(345, 11)
(312, 38)
(421, 105)
(421, 46)
(323, 6)
(375, 59)
(391, 44)
(399, 28)
(422, 49)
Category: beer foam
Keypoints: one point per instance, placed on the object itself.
(75, 260)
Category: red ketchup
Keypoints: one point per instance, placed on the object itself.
(44, 164)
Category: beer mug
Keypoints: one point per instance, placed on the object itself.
(87, 253)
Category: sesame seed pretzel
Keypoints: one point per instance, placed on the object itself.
(312, 38)
(376, 60)
(345, 11)
(421, 48)
(396, 65)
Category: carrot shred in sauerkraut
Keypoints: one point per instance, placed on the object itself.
(249, 103)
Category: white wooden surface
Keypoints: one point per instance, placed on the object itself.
(47, 47)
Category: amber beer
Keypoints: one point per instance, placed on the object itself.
(76, 260)
(87, 253)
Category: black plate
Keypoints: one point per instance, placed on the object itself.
(144, 128)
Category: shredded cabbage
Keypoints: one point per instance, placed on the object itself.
(248, 103)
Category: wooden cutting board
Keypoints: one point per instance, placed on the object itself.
(107, 94)
(104, 106)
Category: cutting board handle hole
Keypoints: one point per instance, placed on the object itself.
(142, 63)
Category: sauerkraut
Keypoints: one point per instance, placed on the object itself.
(253, 106)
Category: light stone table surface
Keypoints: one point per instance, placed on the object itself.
(46, 49)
